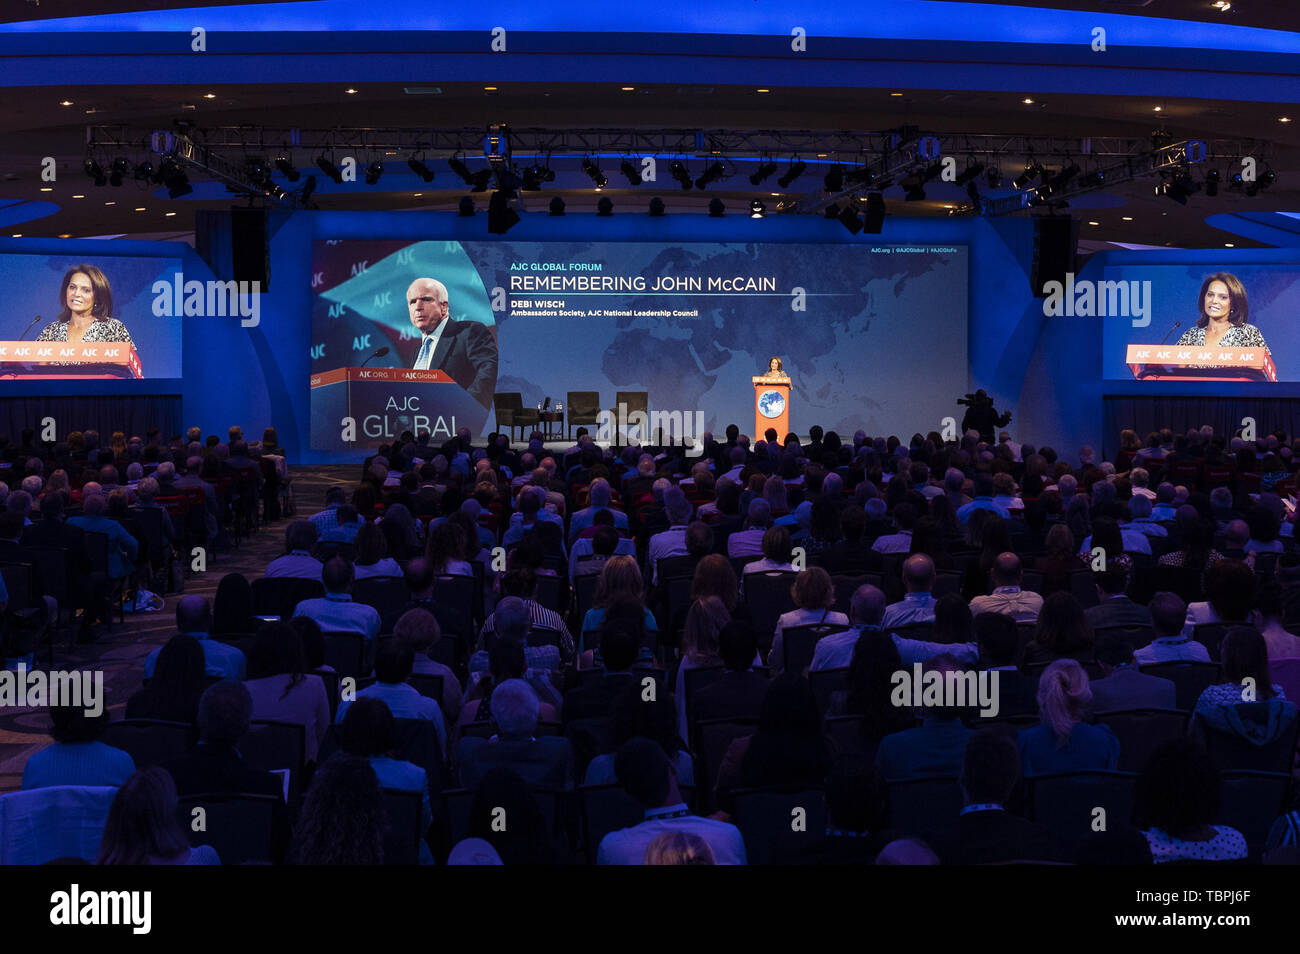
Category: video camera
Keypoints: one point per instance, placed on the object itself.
(971, 400)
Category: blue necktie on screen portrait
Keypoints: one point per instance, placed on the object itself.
(426, 353)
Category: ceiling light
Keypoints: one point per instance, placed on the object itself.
(120, 168)
(78, 196)
(762, 90)
(143, 171)
(1127, 218)
(895, 94)
(47, 188)
(1027, 101)
(110, 203)
(1094, 223)
(629, 170)
(1228, 245)
(796, 169)
(287, 169)
(1212, 182)
(1157, 109)
(680, 173)
(209, 95)
(168, 214)
(764, 170)
(489, 89)
(66, 102)
(328, 167)
(373, 172)
(536, 174)
(598, 178)
(1284, 119)
(350, 91)
(712, 173)
(141, 209)
(757, 209)
(627, 89)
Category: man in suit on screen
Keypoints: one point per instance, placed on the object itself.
(466, 350)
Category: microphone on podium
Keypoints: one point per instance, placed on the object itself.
(29, 328)
(378, 354)
(1177, 325)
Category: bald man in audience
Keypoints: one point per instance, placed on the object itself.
(866, 609)
(1007, 596)
(918, 605)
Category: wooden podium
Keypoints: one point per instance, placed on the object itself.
(1199, 363)
(771, 407)
(60, 359)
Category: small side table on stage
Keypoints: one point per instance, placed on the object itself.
(547, 418)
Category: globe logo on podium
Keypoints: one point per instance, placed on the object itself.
(771, 404)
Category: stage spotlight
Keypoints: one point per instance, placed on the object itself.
(712, 174)
(480, 180)
(969, 173)
(501, 218)
(657, 208)
(1093, 179)
(1063, 178)
(373, 172)
(834, 179)
(1032, 171)
(535, 175)
(850, 219)
(680, 173)
(1212, 183)
(308, 188)
(757, 209)
(629, 170)
(796, 169)
(288, 171)
(605, 207)
(95, 171)
(462, 170)
(326, 166)
(415, 165)
(275, 192)
(832, 211)
(932, 172)
(873, 219)
(466, 208)
(716, 208)
(120, 168)
(764, 170)
(1267, 179)
(593, 172)
(143, 171)
(1180, 188)
(557, 206)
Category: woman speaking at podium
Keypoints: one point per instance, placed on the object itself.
(85, 310)
(1223, 319)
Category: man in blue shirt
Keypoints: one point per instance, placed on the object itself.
(122, 548)
(345, 530)
(328, 518)
(934, 750)
(393, 663)
(982, 490)
(194, 618)
(335, 612)
(299, 538)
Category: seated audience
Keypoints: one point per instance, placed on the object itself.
(173, 692)
(918, 605)
(813, 595)
(1007, 596)
(543, 761)
(1122, 686)
(418, 629)
(300, 537)
(335, 612)
(393, 662)
(372, 555)
(194, 619)
(342, 817)
(866, 608)
(1063, 632)
(77, 757)
(1168, 619)
(1268, 616)
(934, 749)
(1176, 801)
(281, 689)
(143, 829)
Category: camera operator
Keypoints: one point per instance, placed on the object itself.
(980, 415)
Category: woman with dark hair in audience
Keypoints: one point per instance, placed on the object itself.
(700, 647)
(1197, 536)
(875, 660)
(1106, 536)
(1078, 517)
(1059, 558)
(787, 749)
(1244, 656)
(179, 678)
(77, 756)
(634, 717)
(505, 661)
(928, 538)
(824, 527)
(313, 643)
(369, 731)
(342, 816)
(525, 839)
(232, 610)
(1178, 796)
(401, 532)
(366, 499)
(943, 514)
(1063, 632)
(445, 551)
(471, 541)
(372, 555)
(994, 539)
(281, 690)
(1062, 741)
(142, 827)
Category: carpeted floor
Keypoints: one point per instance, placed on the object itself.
(120, 651)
